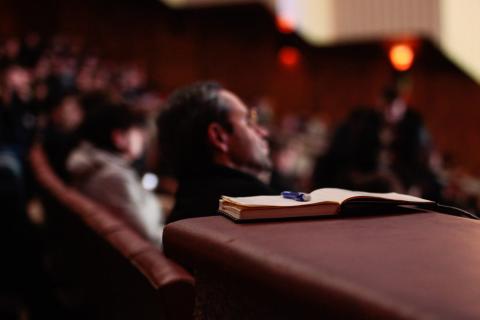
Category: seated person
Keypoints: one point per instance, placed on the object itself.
(61, 133)
(100, 167)
(215, 147)
(352, 160)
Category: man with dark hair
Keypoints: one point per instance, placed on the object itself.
(215, 147)
(114, 137)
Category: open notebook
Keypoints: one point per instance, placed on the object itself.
(326, 201)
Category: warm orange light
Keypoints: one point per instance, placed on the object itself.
(289, 56)
(284, 25)
(401, 57)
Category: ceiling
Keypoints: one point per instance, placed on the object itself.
(448, 23)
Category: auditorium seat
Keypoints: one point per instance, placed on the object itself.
(104, 268)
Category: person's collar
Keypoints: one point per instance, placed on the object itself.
(226, 162)
(104, 155)
(214, 170)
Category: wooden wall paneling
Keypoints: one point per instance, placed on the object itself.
(238, 46)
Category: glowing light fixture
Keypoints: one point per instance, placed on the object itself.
(401, 56)
(149, 181)
(287, 15)
(284, 25)
(289, 56)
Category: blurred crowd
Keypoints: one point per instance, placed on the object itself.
(378, 148)
(48, 87)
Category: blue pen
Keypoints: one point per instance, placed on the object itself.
(297, 196)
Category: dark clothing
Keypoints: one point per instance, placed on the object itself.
(17, 124)
(352, 159)
(198, 194)
(58, 144)
(411, 149)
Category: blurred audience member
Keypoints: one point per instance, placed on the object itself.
(100, 167)
(32, 49)
(352, 159)
(10, 55)
(409, 148)
(283, 158)
(61, 134)
(17, 123)
(215, 146)
(297, 142)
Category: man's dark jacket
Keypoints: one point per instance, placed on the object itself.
(198, 193)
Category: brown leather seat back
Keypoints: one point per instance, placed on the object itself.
(107, 267)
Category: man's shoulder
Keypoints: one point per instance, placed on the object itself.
(198, 195)
(225, 181)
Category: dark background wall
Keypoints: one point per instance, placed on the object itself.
(238, 46)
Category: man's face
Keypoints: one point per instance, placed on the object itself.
(248, 148)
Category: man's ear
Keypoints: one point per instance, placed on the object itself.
(218, 137)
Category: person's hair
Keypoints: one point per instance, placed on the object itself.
(184, 123)
(107, 117)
